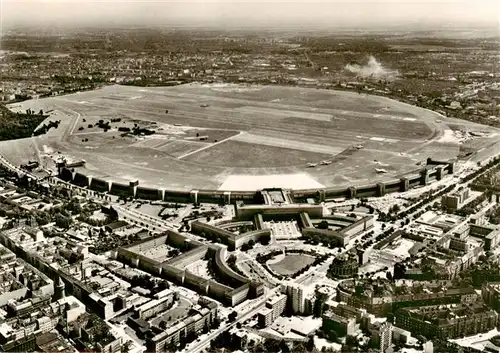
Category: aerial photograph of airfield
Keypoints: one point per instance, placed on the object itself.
(243, 137)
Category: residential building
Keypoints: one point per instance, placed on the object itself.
(296, 295)
(382, 335)
(200, 318)
(447, 321)
(491, 295)
(455, 200)
(275, 306)
(155, 306)
(341, 325)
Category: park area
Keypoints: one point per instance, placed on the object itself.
(288, 265)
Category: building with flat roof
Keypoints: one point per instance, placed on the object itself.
(489, 233)
(341, 325)
(275, 306)
(455, 200)
(351, 227)
(155, 306)
(200, 319)
(300, 298)
(447, 321)
(382, 335)
(265, 317)
(491, 295)
(230, 287)
(345, 266)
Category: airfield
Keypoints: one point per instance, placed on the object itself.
(232, 137)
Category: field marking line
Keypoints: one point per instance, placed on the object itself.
(210, 145)
(196, 116)
(76, 121)
(274, 106)
(78, 115)
(274, 141)
(88, 133)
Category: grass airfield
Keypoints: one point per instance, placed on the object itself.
(234, 137)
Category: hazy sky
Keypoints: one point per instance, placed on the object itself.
(250, 12)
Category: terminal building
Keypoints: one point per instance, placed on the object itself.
(276, 202)
(76, 175)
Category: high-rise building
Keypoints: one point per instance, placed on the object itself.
(381, 335)
(275, 306)
(385, 336)
(428, 347)
(296, 296)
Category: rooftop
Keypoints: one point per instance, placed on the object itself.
(275, 299)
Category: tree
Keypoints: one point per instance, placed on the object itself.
(231, 259)
(62, 221)
(323, 225)
(232, 316)
(264, 240)
(216, 323)
(272, 345)
(43, 219)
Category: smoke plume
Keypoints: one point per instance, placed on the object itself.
(372, 69)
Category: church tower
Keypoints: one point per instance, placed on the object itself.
(59, 289)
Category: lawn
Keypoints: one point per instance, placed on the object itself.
(292, 264)
(248, 155)
(179, 310)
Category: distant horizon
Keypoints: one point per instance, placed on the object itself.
(273, 14)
